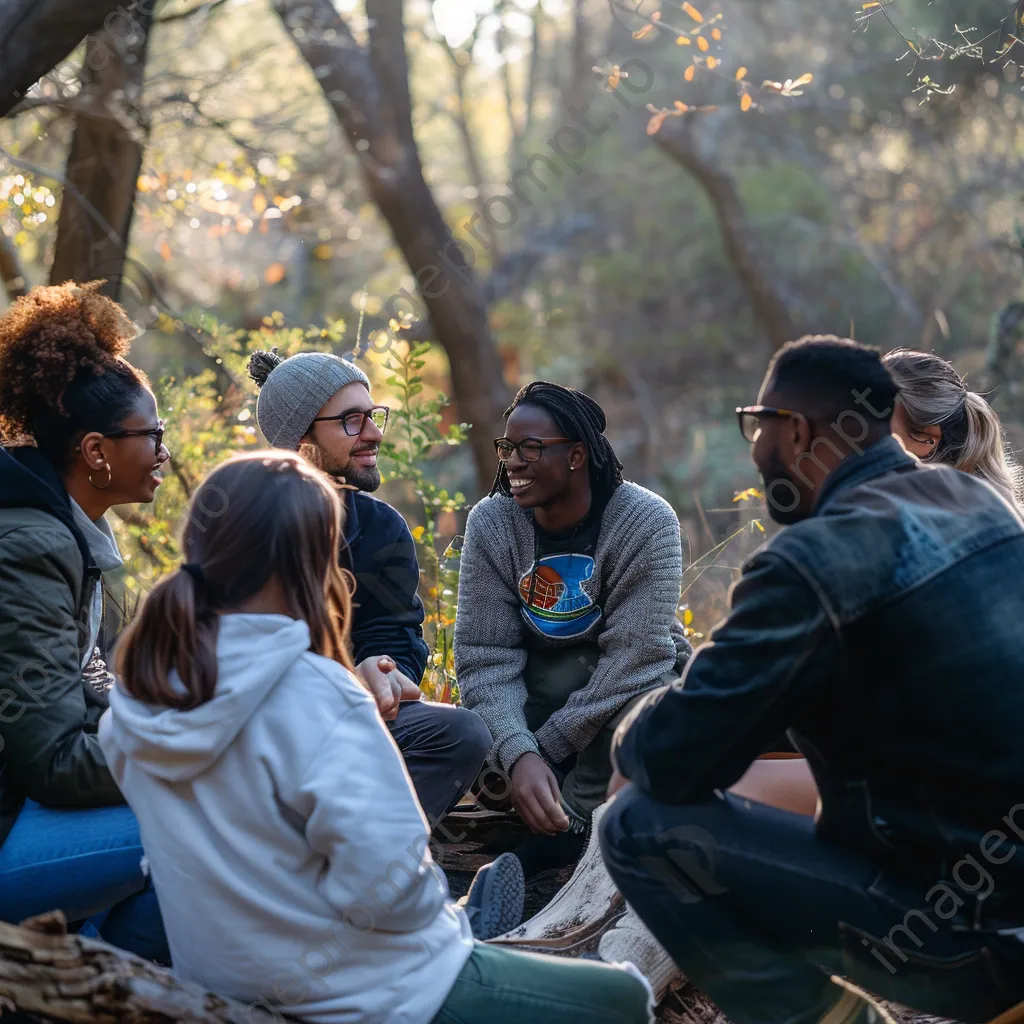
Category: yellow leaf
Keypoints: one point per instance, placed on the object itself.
(712, 63)
(716, 34)
(275, 273)
(868, 6)
(613, 81)
(693, 12)
(803, 80)
(165, 251)
(689, 73)
(323, 252)
(746, 102)
(417, 534)
(757, 523)
(687, 617)
(741, 73)
(682, 40)
(259, 202)
(681, 107)
(643, 33)
(655, 123)
(702, 44)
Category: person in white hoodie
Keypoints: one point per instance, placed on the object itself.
(287, 849)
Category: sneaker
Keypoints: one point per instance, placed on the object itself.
(586, 906)
(495, 901)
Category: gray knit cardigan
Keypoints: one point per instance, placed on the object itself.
(637, 575)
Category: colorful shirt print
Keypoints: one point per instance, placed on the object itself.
(553, 598)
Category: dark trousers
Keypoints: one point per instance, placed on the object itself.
(444, 748)
(758, 911)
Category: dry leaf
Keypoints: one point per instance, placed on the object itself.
(712, 63)
(746, 102)
(689, 73)
(716, 34)
(613, 81)
(682, 40)
(868, 6)
(693, 12)
(656, 16)
(803, 80)
(655, 123)
(274, 274)
(165, 251)
(643, 33)
(702, 44)
(681, 107)
(741, 73)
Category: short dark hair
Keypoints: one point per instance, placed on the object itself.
(822, 375)
(579, 418)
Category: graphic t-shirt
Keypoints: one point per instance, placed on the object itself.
(551, 591)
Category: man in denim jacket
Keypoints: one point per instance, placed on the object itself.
(884, 629)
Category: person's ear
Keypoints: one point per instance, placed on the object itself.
(795, 436)
(932, 436)
(91, 447)
(577, 457)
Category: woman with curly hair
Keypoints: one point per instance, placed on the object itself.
(79, 433)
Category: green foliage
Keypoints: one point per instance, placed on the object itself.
(415, 435)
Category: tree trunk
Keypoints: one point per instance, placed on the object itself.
(368, 91)
(62, 977)
(581, 77)
(36, 34)
(104, 163)
(11, 272)
(676, 139)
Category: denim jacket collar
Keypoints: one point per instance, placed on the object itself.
(882, 457)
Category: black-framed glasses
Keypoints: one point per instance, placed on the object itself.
(354, 420)
(530, 448)
(157, 433)
(749, 417)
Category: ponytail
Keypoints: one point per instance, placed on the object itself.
(180, 635)
(983, 451)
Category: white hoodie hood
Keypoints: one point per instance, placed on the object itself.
(288, 851)
(254, 653)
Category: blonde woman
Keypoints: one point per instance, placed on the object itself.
(939, 420)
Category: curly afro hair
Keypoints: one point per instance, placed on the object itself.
(62, 367)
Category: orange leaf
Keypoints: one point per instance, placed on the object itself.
(165, 251)
(655, 123)
(702, 44)
(712, 63)
(741, 73)
(259, 202)
(803, 80)
(746, 102)
(643, 33)
(275, 273)
(716, 34)
(682, 40)
(613, 81)
(681, 107)
(689, 73)
(693, 12)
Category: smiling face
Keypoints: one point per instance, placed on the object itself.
(350, 459)
(134, 463)
(552, 478)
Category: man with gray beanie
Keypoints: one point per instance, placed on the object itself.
(320, 405)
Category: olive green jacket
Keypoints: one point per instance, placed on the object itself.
(48, 713)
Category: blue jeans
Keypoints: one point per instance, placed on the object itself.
(758, 910)
(86, 863)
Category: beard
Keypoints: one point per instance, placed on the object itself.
(783, 497)
(365, 478)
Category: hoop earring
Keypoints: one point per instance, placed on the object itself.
(102, 487)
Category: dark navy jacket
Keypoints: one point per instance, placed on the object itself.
(886, 633)
(387, 614)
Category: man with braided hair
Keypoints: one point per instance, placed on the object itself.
(569, 586)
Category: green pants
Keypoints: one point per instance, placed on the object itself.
(507, 986)
(552, 676)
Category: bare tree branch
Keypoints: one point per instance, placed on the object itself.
(11, 272)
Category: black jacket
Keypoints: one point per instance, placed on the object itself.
(48, 712)
(885, 633)
(388, 614)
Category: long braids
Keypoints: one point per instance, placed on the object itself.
(579, 418)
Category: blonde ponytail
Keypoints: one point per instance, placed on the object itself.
(983, 452)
